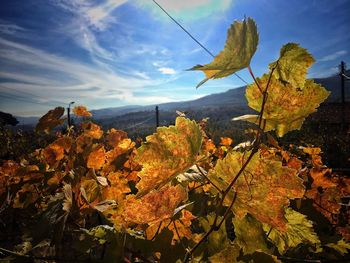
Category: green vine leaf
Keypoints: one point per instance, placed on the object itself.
(167, 153)
(250, 235)
(228, 255)
(299, 231)
(292, 65)
(241, 43)
(218, 240)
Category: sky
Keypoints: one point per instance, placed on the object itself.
(111, 53)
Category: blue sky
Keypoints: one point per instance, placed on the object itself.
(111, 53)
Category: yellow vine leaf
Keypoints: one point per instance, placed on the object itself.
(97, 157)
(341, 246)
(50, 120)
(152, 208)
(292, 65)
(287, 106)
(241, 43)
(263, 189)
(81, 111)
(167, 153)
(299, 231)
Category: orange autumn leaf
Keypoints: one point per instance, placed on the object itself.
(226, 141)
(322, 178)
(92, 130)
(263, 189)
(114, 137)
(97, 157)
(153, 207)
(118, 187)
(55, 151)
(81, 111)
(181, 227)
(311, 150)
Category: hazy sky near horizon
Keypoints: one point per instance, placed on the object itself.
(110, 53)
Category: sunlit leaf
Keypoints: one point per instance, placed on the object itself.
(81, 111)
(241, 43)
(299, 231)
(341, 246)
(118, 188)
(55, 151)
(91, 189)
(322, 178)
(50, 120)
(92, 130)
(287, 106)
(226, 141)
(97, 157)
(152, 208)
(292, 65)
(167, 153)
(263, 189)
(181, 227)
(114, 137)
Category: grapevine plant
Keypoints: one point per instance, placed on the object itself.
(177, 197)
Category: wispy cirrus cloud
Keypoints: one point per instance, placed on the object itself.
(62, 78)
(94, 15)
(333, 56)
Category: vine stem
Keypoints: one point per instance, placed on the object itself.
(256, 82)
(214, 226)
(207, 178)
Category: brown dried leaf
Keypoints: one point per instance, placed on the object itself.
(50, 120)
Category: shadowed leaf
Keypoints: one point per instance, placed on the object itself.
(50, 120)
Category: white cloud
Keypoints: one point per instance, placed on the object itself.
(59, 78)
(10, 29)
(167, 71)
(333, 56)
(97, 16)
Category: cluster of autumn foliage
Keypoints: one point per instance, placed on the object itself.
(98, 196)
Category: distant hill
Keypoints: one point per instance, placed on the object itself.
(222, 105)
